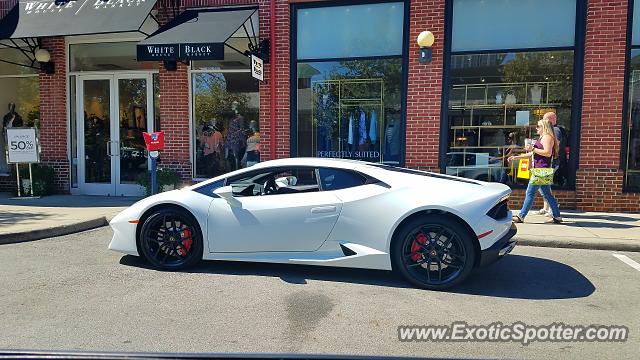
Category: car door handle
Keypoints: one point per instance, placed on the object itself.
(323, 209)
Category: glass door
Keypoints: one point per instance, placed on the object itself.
(135, 116)
(114, 110)
(95, 134)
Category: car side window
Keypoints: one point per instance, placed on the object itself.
(275, 181)
(336, 179)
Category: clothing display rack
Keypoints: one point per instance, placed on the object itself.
(349, 95)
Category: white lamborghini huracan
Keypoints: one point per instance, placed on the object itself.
(433, 229)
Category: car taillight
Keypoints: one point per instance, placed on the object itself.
(500, 210)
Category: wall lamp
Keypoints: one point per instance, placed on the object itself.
(425, 41)
(44, 58)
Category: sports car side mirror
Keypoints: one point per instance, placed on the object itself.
(226, 192)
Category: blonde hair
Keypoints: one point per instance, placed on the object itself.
(547, 129)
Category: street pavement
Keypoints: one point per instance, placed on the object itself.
(72, 293)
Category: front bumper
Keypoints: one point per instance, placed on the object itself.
(500, 248)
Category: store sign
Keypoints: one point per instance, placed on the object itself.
(257, 68)
(22, 145)
(355, 155)
(75, 7)
(186, 51)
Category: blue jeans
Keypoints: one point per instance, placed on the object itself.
(545, 190)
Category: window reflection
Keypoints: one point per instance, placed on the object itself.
(495, 102)
(632, 168)
(20, 106)
(350, 109)
(226, 122)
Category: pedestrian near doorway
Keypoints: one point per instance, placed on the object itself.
(543, 151)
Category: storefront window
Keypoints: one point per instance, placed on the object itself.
(226, 122)
(496, 98)
(632, 131)
(226, 109)
(633, 136)
(350, 108)
(19, 99)
(495, 102)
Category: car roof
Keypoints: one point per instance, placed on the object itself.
(311, 161)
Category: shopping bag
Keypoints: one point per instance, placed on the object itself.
(523, 169)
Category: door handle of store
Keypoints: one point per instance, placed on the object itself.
(109, 148)
(323, 210)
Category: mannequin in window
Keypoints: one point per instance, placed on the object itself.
(211, 143)
(12, 118)
(392, 140)
(252, 154)
(236, 141)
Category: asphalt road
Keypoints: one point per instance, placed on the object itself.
(72, 293)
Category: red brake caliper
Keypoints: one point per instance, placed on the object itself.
(186, 242)
(421, 239)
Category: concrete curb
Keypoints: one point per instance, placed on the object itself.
(18, 237)
(581, 243)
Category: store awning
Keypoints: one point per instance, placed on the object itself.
(35, 19)
(195, 35)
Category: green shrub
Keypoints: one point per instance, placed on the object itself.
(165, 177)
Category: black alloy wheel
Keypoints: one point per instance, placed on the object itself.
(433, 252)
(171, 239)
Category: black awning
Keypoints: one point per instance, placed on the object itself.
(194, 35)
(34, 19)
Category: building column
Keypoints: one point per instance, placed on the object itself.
(425, 87)
(174, 121)
(281, 81)
(53, 115)
(599, 179)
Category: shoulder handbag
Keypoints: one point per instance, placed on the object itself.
(540, 176)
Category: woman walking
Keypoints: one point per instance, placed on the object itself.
(543, 151)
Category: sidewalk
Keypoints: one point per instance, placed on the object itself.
(32, 219)
(583, 230)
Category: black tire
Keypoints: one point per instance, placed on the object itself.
(428, 247)
(164, 239)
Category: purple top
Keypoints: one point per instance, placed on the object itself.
(540, 161)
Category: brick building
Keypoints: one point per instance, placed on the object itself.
(341, 79)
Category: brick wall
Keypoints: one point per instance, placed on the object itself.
(174, 120)
(282, 82)
(425, 86)
(53, 114)
(599, 178)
